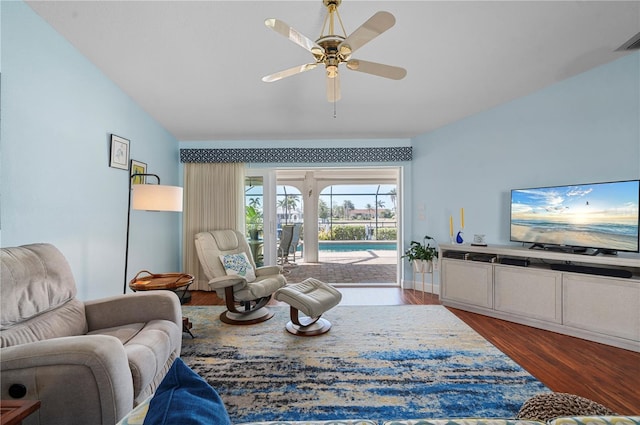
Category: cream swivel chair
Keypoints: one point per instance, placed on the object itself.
(226, 259)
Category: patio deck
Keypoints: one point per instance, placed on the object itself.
(356, 268)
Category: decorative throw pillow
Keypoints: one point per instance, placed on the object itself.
(238, 264)
(548, 406)
(185, 398)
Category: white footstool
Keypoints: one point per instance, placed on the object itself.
(313, 298)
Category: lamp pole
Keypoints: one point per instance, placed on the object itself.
(126, 251)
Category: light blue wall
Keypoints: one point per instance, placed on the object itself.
(58, 111)
(583, 130)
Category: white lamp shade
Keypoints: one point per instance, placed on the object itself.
(156, 197)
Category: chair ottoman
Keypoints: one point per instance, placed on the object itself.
(313, 298)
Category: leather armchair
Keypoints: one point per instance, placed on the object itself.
(245, 300)
(87, 362)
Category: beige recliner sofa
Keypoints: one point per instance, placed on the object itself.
(87, 362)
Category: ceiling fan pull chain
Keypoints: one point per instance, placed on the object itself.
(335, 115)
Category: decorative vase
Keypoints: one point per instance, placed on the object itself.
(459, 237)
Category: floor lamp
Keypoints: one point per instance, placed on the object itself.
(149, 197)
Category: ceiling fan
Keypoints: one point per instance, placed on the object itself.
(331, 49)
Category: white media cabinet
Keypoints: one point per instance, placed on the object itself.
(598, 308)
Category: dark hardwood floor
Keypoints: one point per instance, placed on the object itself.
(607, 375)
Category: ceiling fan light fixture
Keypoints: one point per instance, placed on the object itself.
(332, 49)
(353, 64)
(332, 71)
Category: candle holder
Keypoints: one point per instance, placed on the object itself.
(459, 239)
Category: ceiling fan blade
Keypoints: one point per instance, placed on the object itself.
(373, 27)
(333, 88)
(379, 69)
(294, 35)
(289, 72)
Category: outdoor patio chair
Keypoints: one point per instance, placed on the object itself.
(295, 240)
(285, 243)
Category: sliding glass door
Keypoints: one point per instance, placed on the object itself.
(339, 210)
(260, 218)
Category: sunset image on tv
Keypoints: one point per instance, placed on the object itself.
(602, 215)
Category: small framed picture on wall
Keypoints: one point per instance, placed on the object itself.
(138, 167)
(119, 152)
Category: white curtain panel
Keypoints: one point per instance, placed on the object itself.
(213, 199)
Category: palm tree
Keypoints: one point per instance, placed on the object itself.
(348, 206)
(379, 205)
(323, 209)
(292, 202)
(393, 195)
(337, 210)
(288, 203)
(282, 203)
(254, 202)
(369, 208)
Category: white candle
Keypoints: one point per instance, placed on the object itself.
(462, 218)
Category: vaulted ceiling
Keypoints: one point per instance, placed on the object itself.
(196, 66)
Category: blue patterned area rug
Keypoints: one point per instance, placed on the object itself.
(377, 362)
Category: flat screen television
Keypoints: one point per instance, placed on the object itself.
(599, 217)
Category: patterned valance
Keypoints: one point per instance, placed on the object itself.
(294, 155)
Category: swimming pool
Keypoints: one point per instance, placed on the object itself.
(342, 246)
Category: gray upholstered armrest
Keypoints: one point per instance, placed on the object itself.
(139, 307)
(224, 281)
(268, 270)
(87, 376)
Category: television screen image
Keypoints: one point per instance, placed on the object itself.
(601, 216)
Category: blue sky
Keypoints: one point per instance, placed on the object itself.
(604, 200)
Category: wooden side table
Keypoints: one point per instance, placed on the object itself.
(176, 282)
(12, 412)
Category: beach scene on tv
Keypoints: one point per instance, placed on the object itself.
(603, 215)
